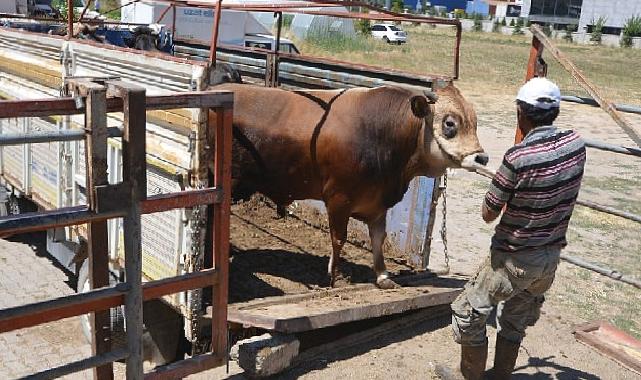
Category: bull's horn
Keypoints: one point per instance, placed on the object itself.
(431, 96)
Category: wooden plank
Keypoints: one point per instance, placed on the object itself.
(394, 327)
(98, 260)
(337, 306)
(135, 174)
(581, 79)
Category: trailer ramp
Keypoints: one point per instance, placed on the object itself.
(324, 308)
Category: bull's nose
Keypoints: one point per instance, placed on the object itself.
(482, 158)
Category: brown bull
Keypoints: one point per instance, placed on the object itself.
(355, 149)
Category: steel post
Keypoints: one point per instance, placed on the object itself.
(69, 19)
(135, 174)
(96, 164)
(221, 215)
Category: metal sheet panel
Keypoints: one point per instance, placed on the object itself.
(44, 165)
(13, 156)
(406, 221)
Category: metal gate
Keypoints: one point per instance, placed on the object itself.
(127, 199)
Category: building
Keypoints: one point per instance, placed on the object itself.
(583, 13)
(615, 12)
(497, 8)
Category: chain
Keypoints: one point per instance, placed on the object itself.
(443, 231)
(194, 264)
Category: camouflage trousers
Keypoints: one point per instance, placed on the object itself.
(515, 283)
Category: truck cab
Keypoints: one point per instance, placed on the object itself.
(267, 41)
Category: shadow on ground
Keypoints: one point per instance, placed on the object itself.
(548, 365)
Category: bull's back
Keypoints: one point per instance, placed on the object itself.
(273, 131)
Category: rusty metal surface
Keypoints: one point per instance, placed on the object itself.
(188, 198)
(611, 342)
(67, 106)
(98, 299)
(186, 367)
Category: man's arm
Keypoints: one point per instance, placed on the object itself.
(500, 191)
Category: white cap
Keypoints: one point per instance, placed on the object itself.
(541, 93)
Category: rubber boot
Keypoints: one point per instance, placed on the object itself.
(473, 360)
(504, 359)
(472, 366)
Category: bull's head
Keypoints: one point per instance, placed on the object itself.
(451, 141)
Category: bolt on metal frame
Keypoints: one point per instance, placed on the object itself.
(129, 200)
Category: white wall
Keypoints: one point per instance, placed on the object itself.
(616, 11)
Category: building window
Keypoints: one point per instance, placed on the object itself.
(557, 8)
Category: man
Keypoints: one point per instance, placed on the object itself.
(536, 186)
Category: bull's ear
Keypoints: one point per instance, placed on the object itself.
(420, 106)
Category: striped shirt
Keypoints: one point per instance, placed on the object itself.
(539, 181)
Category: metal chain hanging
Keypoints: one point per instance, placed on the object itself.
(443, 189)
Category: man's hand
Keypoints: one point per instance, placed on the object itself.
(488, 214)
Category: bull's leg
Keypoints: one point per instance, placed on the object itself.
(377, 235)
(338, 214)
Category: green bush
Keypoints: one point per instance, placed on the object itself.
(363, 27)
(518, 28)
(503, 22)
(478, 26)
(631, 29)
(597, 29)
(496, 26)
(398, 6)
(512, 24)
(569, 29)
(287, 20)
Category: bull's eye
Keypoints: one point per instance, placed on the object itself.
(449, 127)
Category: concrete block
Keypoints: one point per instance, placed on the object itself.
(265, 355)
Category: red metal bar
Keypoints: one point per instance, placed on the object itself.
(173, 21)
(535, 52)
(99, 299)
(457, 51)
(184, 368)
(67, 106)
(221, 214)
(70, 216)
(184, 199)
(69, 19)
(97, 236)
(162, 15)
(214, 34)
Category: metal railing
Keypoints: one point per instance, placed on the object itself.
(127, 199)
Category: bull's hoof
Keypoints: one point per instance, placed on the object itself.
(383, 282)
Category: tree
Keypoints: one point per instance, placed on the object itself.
(398, 6)
(478, 25)
(547, 30)
(512, 24)
(503, 22)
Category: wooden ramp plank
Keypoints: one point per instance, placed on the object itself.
(309, 311)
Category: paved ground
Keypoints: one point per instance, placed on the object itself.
(27, 277)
